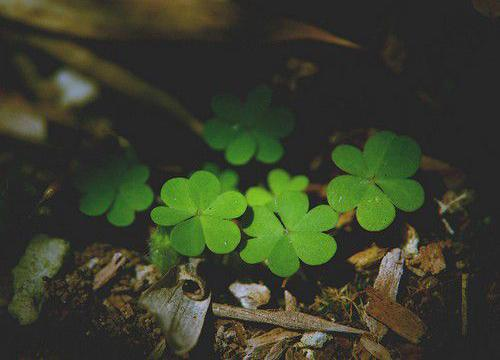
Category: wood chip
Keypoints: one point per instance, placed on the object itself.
(109, 271)
(290, 302)
(398, 318)
(378, 351)
(250, 296)
(366, 258)
(270, 345)
(430, 259)
(287, 319)
(387, 283)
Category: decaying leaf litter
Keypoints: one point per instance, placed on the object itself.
(401, 292)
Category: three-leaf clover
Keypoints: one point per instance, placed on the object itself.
(200, 214)
(245, 129)
(161, 252)
(228, 178)
(117, 188)
(379, 179)
(296, 234)
(278, 181)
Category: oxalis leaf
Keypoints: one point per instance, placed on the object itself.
(378, 180)
(278, 181)
(248, 129)
(116, 187)
(294, 233)
(228, 178)
(200, 214)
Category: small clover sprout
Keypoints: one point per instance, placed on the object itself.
(228, 178)
(379, 179)
(252, 128)
(299, 235)
(200, 214)
(161, 253)
(278, 181)
(118, 188)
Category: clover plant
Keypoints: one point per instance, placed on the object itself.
(200, 213)
(116, 188)
(161, 252)
(278, 181)
(294, 233)
(228, 178)
(246, 129)
(378, 181)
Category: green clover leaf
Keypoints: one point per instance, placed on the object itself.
(278, 181)
(378, 180)
(247, 129)
(228, 178)
(117, 188)
(298, 233)
(200, 213)
(161, 252)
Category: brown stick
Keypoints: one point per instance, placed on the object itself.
(286, 319)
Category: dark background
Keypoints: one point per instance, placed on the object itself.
(452, 55)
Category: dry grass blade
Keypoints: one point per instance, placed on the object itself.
(287, 319)
(172, 19)
(110, 75)
(288, 29)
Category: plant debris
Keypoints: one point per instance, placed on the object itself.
(395, 316)
(181, 312)
(287, 319)
(250, 296)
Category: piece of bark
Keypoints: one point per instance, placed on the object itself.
(366, 258)
(286, 319)
(387, 282)
(395, 316)
(374, 348)
(181, 313)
